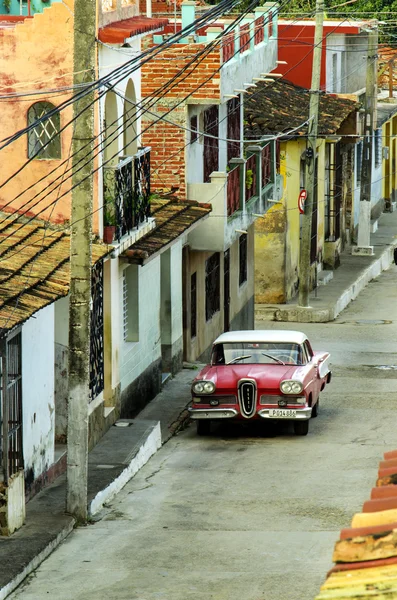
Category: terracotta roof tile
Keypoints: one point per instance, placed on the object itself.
(173, 218)
(119, 31)
(283, 106)
(34, 269)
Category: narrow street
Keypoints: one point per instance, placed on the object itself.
(251, 513)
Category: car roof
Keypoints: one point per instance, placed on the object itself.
(262, 335)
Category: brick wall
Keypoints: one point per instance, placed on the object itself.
(168, 141)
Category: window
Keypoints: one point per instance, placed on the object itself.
(193, 129)
(130, 314)
(211, 144)
(44, 140)
(193, 305)
(378, 147)
(359, 159)
(242, 259)
(212, 285)
(233, 128)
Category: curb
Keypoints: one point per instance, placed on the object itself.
(300, 314)
(146, 451)
(37, 560)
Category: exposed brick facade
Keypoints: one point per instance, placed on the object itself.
(167, 141)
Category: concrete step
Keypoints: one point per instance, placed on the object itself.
(165, 377)
(324, 277)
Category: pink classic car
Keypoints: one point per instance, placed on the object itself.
(260, 375)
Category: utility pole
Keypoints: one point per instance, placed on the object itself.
(310, 170)
(80, 263)
(364, 219)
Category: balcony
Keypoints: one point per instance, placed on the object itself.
(126, 196)
(237, 197)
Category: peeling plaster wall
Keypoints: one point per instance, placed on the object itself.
(36, 54)
(38, 413)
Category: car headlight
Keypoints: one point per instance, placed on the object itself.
(203, 387)
(291, 387)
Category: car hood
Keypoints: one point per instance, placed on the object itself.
(266, 376)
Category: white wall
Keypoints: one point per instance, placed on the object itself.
(135, 357)
(176, 291)
(335, 49)
(38, 391)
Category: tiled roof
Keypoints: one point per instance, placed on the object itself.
(34, 269)
(282, 106)
(119, 31)
(173, 218)
(385, 55)
(365, 555)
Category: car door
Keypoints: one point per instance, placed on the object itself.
(315, 374)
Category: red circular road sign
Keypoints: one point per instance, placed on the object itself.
(301, 201)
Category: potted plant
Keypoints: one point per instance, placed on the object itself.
(109, 222)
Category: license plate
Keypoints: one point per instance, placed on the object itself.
(282, 413)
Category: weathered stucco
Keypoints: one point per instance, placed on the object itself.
(23, 67)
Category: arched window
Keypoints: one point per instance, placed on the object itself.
(44, 140)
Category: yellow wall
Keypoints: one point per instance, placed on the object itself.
(389, 178)
(36, 55)
(277, 233)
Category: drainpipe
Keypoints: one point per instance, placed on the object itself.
(29, 13)
(149, 8)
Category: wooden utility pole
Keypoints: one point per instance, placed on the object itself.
(364, 220)
(311, 149)
(80, 264)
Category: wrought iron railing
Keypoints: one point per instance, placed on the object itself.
(250, 178)
(126, 193)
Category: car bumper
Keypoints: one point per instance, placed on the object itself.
(302, 414)
(212, 413)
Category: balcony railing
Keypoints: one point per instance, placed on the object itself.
(259, 173)
(233, 190)
(126, 193)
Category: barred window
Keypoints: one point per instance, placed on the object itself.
(44, 141)
(193, 305)
(212, 285)
(359, 162)
(243, 262)
(378, 147)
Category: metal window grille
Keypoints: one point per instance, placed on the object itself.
(108, 5)
(378, 147)
(243, 259)
(12, 405)
(96, 337)
(44, 140)
(211, 144)
(212, 285)
(193, 129)
(359, 162)
(193, 305)
(125, 307)
(233, 128)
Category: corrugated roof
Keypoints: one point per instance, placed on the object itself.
(34, 268)
(173, 218)
(283, 106)
(119, 31)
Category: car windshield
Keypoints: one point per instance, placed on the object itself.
(256, 353)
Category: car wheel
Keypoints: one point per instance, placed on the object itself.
(301, 427)
(203, 427)
(315, 409)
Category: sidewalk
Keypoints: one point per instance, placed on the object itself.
(354, 273)
(123, 450)
(129, 444)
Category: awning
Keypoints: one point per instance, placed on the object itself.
(119, 31)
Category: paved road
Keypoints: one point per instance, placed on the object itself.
(247, 514)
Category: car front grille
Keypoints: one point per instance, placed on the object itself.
(267, 399)
(247, 397)
(220, 399)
